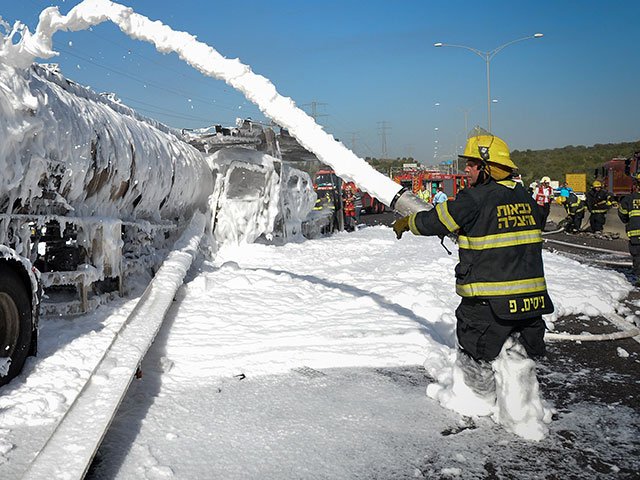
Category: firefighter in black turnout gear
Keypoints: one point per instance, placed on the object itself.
(598, 202)
(500, 276)
(629, 213)
(575, 209)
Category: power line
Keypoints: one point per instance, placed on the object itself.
(344, 127)
(178, 93)
(150, 60)
(314, 114)
(162, 111)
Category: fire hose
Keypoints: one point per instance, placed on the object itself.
(585, 247)
(634, 332)
(627, 332)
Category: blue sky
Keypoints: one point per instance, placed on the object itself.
(369, 62)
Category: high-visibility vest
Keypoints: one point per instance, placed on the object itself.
(542, 195)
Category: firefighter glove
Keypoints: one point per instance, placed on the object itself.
(400, 226)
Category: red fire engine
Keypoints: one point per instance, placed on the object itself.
(616, 174)
(430, 180)
(326, 179)
(369, 204)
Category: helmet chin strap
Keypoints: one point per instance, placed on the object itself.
(484, 171)
(485, 174)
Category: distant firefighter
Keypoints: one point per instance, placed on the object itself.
(575, 209)
(629, 213)
(349, 199)
(598, 202)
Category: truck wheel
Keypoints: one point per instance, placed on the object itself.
(15, 324)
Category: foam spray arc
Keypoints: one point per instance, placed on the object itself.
(207, 60)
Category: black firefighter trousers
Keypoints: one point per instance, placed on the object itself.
(481, 333)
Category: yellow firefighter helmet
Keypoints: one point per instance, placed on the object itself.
(596, 184)
(493, 152)
(560, 200)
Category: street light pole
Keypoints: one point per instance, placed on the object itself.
(487, 57)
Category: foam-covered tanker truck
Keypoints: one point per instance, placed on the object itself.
(91, 192)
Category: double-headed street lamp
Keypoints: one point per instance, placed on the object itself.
(487, 56)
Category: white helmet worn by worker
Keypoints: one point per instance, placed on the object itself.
(493, 152)
(545, 180)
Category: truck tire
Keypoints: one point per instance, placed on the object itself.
(15, 324)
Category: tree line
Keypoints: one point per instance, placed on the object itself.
(556, 162)
(535, 164)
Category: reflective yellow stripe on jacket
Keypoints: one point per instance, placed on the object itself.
(500, 240)
(578, 208)
(445, 217)
(495, 289)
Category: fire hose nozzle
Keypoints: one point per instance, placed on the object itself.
(406, 203)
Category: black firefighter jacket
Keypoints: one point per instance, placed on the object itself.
(574, 205)
(598, 201)
(629, 213)
(500, 246)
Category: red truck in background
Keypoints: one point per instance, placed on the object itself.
(369, 204)
(429, 180)
(326, 179)
(616, 174)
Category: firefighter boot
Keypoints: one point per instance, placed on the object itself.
(519, 406)
(474, 384)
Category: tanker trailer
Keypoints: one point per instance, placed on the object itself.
(89, 191)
